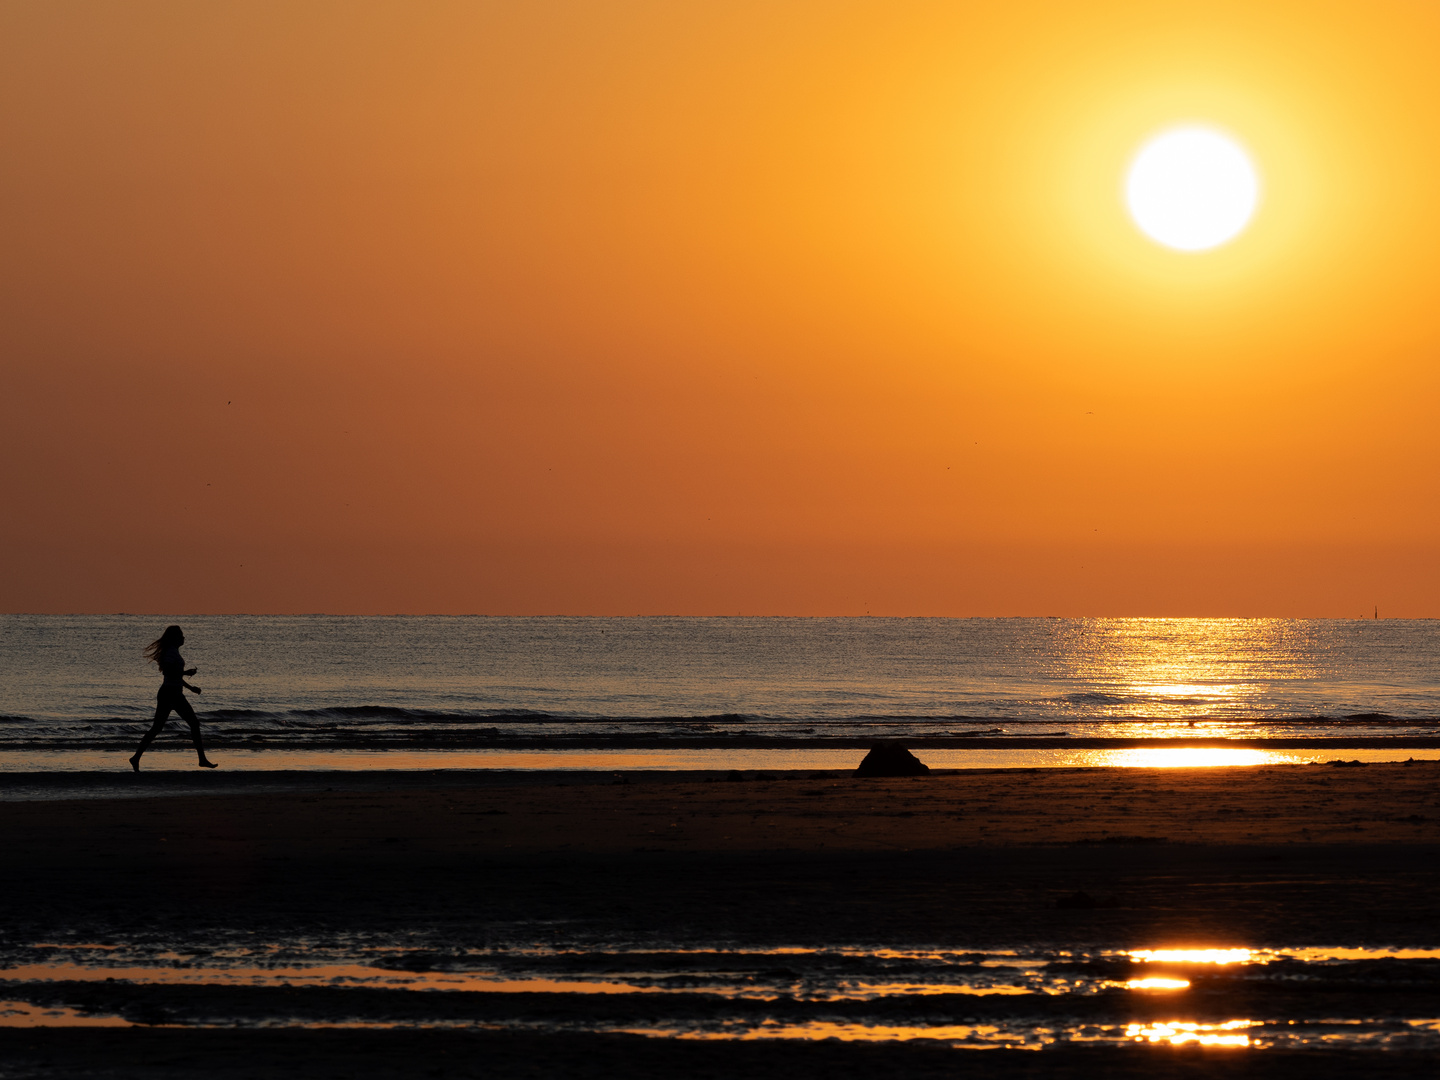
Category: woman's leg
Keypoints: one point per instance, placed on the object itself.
(188, 715)
(163, 705)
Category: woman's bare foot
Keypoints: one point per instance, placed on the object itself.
(206, 763)
(135, 763)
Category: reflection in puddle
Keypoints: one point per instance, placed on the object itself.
(990, 1035)
(1020, 998)
(958, 1035)
(339, 975)
(636, 982)
(1192, 956)
(1177, 1033)
(1191, 757)
(1321, 955)
(1157, 983)
(23, 1014)
(1317, 955)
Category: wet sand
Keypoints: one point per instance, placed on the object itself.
(1287, 855)
(325, 815)
(370, 1055)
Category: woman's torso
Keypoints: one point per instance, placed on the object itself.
(172, 667)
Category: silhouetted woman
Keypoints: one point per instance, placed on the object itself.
(165, 651)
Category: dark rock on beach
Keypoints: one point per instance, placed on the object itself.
(891, 759)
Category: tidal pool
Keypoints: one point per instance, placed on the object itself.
(1022, 998)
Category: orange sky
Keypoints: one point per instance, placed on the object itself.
(774, 308)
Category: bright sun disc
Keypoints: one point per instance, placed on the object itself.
(1191, 188)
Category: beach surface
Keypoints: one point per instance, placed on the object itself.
(1084, 859)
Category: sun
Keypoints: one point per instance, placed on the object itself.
(1192, 188)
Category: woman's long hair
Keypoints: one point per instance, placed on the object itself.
(172, 637)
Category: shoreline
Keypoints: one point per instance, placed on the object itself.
(1050, 741)
(120, 782)
(29, 775)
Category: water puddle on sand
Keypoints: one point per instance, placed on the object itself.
(1232, 1033)
(22, 1014)
(1223, 957)
(1374, 997)
(639, 980)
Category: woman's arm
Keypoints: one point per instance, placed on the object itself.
(192, 689)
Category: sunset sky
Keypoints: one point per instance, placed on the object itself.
(700, 308)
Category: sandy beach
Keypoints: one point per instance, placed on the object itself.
(1297, 855)
(322, 815)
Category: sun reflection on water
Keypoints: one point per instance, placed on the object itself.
(1187, 690)
(1178, 1033)
(25, 1014)
(1168, 670)
(1188, 757)
(798, 995)
(814, 1030)
(1157, 982)
(1192, 956)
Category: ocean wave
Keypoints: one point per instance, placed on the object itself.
(401, 714)
(373, 717)
(1136, 697)
(1095, 697)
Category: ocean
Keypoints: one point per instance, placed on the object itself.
(71, 683)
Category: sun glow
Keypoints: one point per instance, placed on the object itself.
(1192, 956)
(1188, 757)
(1157, 982)
(1178, 1033)
(1192, 188)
